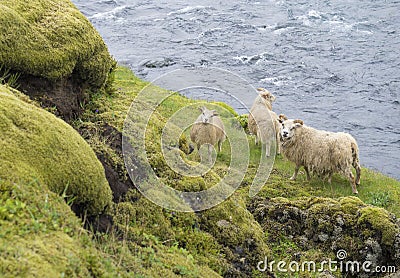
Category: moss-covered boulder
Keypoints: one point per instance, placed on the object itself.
(35, 144)
(365, 232)
(235, 228)
(55, 49)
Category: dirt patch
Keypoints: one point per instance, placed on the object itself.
(119, 188)
(116, 175)
(64, 97)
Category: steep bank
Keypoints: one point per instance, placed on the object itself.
(304, 225)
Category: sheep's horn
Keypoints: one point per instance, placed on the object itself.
(298, 122)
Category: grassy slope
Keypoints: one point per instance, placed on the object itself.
(151, 241)
(375, 189)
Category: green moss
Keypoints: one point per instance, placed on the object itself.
(235, 227)
(243, 120)
(52, 39)
(228, 111)
(40, 236)
(381, 221)
(37, 145)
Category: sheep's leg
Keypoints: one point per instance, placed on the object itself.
(330, 179)
(210, 152)
(356, 166)
(352, 182)
(219, 145)
(296, 171)
(356, 163)
(198, 150)
(258, 136)
(267, 149)
(307, 173)
(278, 144)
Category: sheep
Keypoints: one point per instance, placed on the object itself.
(208, 129)
(319, 151)
(263, 122)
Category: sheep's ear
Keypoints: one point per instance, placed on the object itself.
(282, 118)
(202, 108)
(215, 113)
(260, 89)
(298, 123)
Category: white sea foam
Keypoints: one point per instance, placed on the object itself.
(277, 80)
(254, 59)
(314, 14)
(188, 9)
(109, 14)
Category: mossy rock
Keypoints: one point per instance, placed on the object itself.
(36, 145)
(328, 224)
(381, 221)
(52, 39)
(234, 227)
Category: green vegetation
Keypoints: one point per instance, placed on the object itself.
(230, 226)
(52, 39)
(35, 145)
(40, 236)
(47, 170)
(289, 220)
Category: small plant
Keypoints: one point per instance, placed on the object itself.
(69, 199)
(6, 77)
(379, 199)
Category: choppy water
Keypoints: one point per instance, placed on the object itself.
(334, 64)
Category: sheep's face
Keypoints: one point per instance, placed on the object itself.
(288, 128)
(266, 95)
(207, 115)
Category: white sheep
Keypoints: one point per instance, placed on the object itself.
(318, 151)
(263, 122)
(208, 129)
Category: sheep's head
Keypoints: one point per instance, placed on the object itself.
(265, 94)
(288, 127)
(282, 118)
(207, 115)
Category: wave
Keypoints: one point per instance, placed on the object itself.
(109, 14)
(277, 80)
(255, 59)
(189, 9)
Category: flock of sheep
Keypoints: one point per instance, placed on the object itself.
(320, 152)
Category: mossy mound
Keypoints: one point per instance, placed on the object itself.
(51, 39)
(36, 145)
(235, 228)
